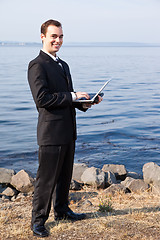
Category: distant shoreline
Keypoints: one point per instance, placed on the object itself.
(83, 44)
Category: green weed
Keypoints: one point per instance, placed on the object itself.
(105, 205)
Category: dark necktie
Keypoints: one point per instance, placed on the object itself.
(60, 64)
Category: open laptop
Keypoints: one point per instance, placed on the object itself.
(93, 96)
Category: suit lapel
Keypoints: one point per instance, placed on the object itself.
(64, 72)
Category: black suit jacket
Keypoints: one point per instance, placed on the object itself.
(51, 87)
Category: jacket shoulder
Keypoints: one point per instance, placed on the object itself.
(38, 59)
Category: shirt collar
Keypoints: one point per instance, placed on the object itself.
(53, 57)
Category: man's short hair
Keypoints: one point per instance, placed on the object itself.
(46, 24)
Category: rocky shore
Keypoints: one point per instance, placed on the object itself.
(111, 178)
(119, 204)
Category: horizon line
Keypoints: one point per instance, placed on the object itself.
(21, 43)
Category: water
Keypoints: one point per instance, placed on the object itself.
(123, 129)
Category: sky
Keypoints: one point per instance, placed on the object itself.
(82, 20)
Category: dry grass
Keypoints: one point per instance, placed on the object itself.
(134, 216)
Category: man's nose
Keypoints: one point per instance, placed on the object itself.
(58, 39)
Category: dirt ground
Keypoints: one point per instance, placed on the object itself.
(128, 216)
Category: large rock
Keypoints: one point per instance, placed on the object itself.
(119, 170)
(6, 175)
(135, 185)
(78, 170)
(138, 185)
(151, 175)
(94, 176)
(23, 182)
(110, 179)
(115, 188)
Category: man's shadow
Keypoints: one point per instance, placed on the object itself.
(80, 198)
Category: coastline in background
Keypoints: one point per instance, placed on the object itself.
(84, 44)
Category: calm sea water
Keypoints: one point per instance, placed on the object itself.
(123, 129)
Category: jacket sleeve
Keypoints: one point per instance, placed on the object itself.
(79, 106)
(41, 94)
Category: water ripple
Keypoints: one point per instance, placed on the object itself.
(123, 129)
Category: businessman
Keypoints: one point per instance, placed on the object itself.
(51, 86)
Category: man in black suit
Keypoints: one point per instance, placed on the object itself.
(51, 86)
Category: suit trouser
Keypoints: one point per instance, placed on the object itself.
(53, 181)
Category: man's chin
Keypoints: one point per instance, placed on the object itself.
(56, 49)
(53, 52)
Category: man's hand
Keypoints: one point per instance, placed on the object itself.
(86, 95)
(89, 105)
(99, 99)
(81, 95)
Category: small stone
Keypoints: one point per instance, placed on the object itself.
(10, 192)
(13, 198)
(5, 198)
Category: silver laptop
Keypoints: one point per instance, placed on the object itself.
(93, 95)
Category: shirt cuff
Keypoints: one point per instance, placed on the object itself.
(74, 97)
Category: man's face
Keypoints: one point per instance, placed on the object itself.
(53, 39)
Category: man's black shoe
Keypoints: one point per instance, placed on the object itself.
(40, 230)
(70, 215)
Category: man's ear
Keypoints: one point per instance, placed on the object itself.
(42, 36)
